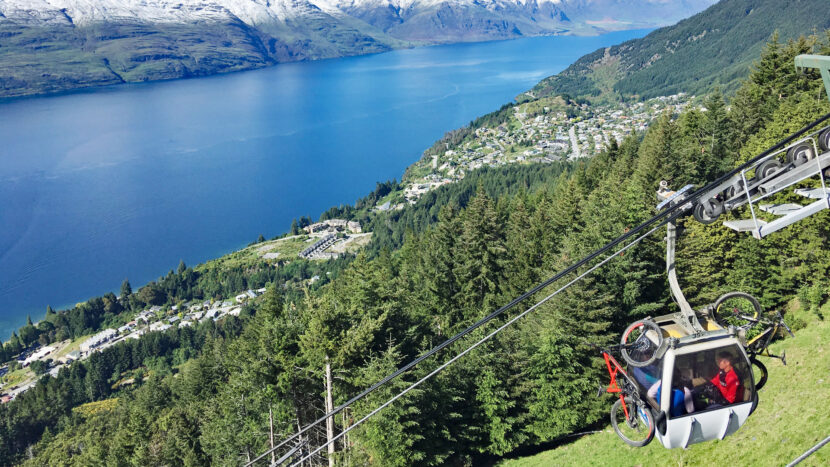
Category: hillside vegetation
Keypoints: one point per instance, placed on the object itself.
(206, 398)
(713, 48)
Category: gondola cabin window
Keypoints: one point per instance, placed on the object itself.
(712, 379)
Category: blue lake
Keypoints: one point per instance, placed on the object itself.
(123, 182)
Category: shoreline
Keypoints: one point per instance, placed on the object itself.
(218, 73)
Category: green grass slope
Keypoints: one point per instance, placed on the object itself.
(713, 48)
(792, 416)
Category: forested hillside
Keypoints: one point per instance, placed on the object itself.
(534, 383)
(714, 48)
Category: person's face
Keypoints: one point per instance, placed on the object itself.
(723, 363)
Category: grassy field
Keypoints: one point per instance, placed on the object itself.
(15, 378)
(792, 416)
(66, 347)
(287, 247)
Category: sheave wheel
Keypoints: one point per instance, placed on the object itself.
(800, 154)
(708, 211)
(641, 343)
(638, 428)
(824, 140)
(767, 168)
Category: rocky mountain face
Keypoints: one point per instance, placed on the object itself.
(53, 45)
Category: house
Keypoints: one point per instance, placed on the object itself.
(145, 315)
(5, 398)
(210, 314)
(260, 291)
(102, 337)
(241, 298)
(70, 357)
(173, 319)
(155, 309)
(235, 311)
(159, 326)
(250, 293)
(185, 324)
(127, 327)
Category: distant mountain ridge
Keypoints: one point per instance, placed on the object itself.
(51, 45)
(713, 48)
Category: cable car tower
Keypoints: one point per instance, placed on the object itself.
(691, 375)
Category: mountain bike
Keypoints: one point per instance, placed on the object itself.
(631, 416)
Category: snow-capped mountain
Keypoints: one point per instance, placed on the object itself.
(394, 16)
(49, 45)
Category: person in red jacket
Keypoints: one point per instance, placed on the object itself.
(727, 380)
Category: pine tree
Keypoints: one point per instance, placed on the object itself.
(126, 290)
(482, 254)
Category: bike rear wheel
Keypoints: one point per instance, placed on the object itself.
(759, 373)
(733, 309)
(636, 428)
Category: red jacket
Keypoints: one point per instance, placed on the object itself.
(730, 387)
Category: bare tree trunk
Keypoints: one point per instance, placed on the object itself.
(271, 430)
(300, 440)
(329, 408)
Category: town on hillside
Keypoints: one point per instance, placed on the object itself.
(540, 131)
(51, 358)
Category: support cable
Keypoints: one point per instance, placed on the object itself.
(809, 452)
(681, 207)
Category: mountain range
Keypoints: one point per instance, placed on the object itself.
(53, 45)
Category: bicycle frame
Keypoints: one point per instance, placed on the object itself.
(765, 337)
(615, 368)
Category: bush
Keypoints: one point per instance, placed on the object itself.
(39, 367)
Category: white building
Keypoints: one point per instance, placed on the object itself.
(40, 353)
(104, 336)
(159, 326)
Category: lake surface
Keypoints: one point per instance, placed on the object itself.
(123, 182)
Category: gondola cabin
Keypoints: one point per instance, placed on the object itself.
(710, 384)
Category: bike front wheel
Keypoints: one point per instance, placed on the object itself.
(641, 343)
(635, 424)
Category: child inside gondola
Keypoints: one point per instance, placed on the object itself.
(682, 401)
(726, 381)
